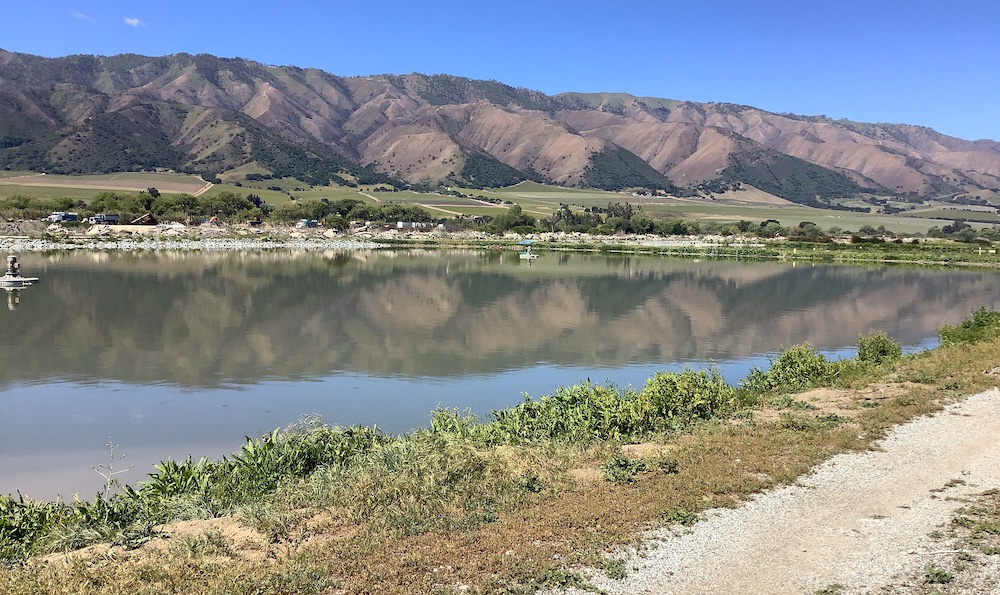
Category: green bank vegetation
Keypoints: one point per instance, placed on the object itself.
(524, 208)
(510, 503)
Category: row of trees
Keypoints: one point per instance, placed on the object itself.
(227, 206)
(617, 218)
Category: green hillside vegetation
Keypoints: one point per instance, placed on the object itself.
(20, 128)
(483, 171)
(617, 169)
(159, 135)
(790, 178)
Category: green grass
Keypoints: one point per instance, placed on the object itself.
(539, 199)
(139, 176)
(284, 183)
(475, 211)
(47, 192)
(948, 215)
(86, 187)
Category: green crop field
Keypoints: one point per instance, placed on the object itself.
(540, 200)
(46, 192)
(85, 187)
(948, 215)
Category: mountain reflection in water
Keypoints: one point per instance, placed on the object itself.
(207, 320)
(150, 347)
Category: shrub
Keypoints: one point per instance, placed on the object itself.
(679, 516)
(621, 469)
(877, 348)
(936, 575)
(797, 368)
(688, 395)
(22, 521)
(981, 325)
(579, 413)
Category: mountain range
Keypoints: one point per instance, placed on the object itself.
(233, 117)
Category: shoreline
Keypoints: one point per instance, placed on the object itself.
(244, 238)
(104, 237)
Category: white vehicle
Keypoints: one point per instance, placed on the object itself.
(60, 216)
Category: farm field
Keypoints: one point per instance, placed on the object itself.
(84, 187)
(538, 199)
(952, 213)
(439, 205)
(535, 199)
(13, 174)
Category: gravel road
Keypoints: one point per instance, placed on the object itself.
(860, 520)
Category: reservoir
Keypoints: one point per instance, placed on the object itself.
(170, 354)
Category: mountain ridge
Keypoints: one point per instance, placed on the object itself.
(207, 114)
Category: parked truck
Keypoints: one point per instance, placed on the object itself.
(61, 216)
(104, 219)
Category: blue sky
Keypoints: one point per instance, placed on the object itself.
(932, 63)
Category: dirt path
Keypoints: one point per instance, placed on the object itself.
(446, 211)
(860, 520)
(208, 186)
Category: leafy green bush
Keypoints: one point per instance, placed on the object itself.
(797, 368)
(587, 412)
(688, 395)
(981, 325)
(580, 413)
(22, 521)
(877, 348)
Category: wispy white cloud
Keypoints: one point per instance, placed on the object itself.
(82, 17)
(134, 22)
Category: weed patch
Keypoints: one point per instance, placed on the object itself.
(982, 325)
(620, 469)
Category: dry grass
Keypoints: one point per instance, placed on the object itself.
(572, 521)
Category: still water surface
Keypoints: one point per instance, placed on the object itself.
(171, 354)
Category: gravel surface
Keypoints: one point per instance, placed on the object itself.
(25, 236)
(860, 520)
(18, 245)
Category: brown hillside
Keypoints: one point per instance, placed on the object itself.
(204, 113)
